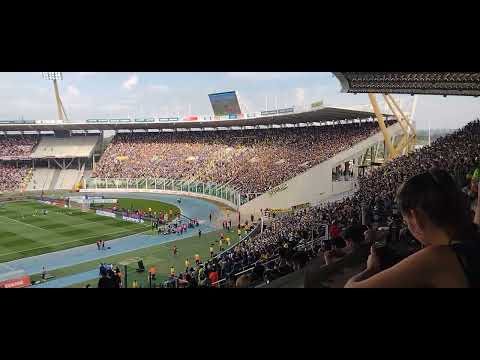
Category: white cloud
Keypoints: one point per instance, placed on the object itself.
(120, 109)
(299, 96)
(85, 74)
(161, 88)
(72, 90)
(259, 76)
(131, 82)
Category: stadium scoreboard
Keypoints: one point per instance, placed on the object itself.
(225, 103)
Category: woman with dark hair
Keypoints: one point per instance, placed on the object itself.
(437, 215)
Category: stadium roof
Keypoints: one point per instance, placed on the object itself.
(427, 83)
(321, 115)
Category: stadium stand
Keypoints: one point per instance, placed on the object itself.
(282, 248)
(17, 147)
(41, 179)
(18, 171)
(54, 179)
(252, 161)
(70, 147)
(67, 179)
(12, 177)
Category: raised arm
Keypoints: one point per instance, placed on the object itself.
(413, 271)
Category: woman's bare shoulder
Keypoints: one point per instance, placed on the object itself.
(435, 253)
(443, 266)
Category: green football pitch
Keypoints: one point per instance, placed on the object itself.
(25, 231)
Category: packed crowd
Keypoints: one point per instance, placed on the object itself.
(17, 146)
(253, 161)
(284, 245)
(277, 250)
(11, 177)
(458, 153)
(220, 269)
(11, 148)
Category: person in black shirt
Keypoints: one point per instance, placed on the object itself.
(355, 233)
(104, 282)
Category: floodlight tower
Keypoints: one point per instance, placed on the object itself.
(55, 76)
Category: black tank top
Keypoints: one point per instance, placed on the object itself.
(469, 258)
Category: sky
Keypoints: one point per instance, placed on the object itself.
(87, 95)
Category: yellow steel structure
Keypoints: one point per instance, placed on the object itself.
(407, 142)
(381, 122)
(402, 146)
(412, 133)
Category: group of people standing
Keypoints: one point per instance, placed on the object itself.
(100, 245)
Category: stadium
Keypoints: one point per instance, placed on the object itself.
(297, 197)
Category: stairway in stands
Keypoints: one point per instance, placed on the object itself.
(54, 179)
(53, 183)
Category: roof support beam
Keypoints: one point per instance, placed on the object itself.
(381, 122)
(412, 132)
(405, 138)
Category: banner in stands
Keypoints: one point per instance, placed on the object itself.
(127, 218)
(226, 103)
(22, 282)
(120, 120)
(17, 121)
(286, 111)
(105, 213)
(168, 119)
(270, 112)
(145, 120)
(301, 206)
(190, 118)
(278, 189)
(97, 121)
(92, 199)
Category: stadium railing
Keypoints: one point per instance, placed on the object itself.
(223, 193)
(249, 268)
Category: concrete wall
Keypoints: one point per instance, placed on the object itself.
(315, 184)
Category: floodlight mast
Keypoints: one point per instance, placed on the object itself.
(54, 76)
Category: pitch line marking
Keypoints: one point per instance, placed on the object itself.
(69, 242)
(24, 223)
